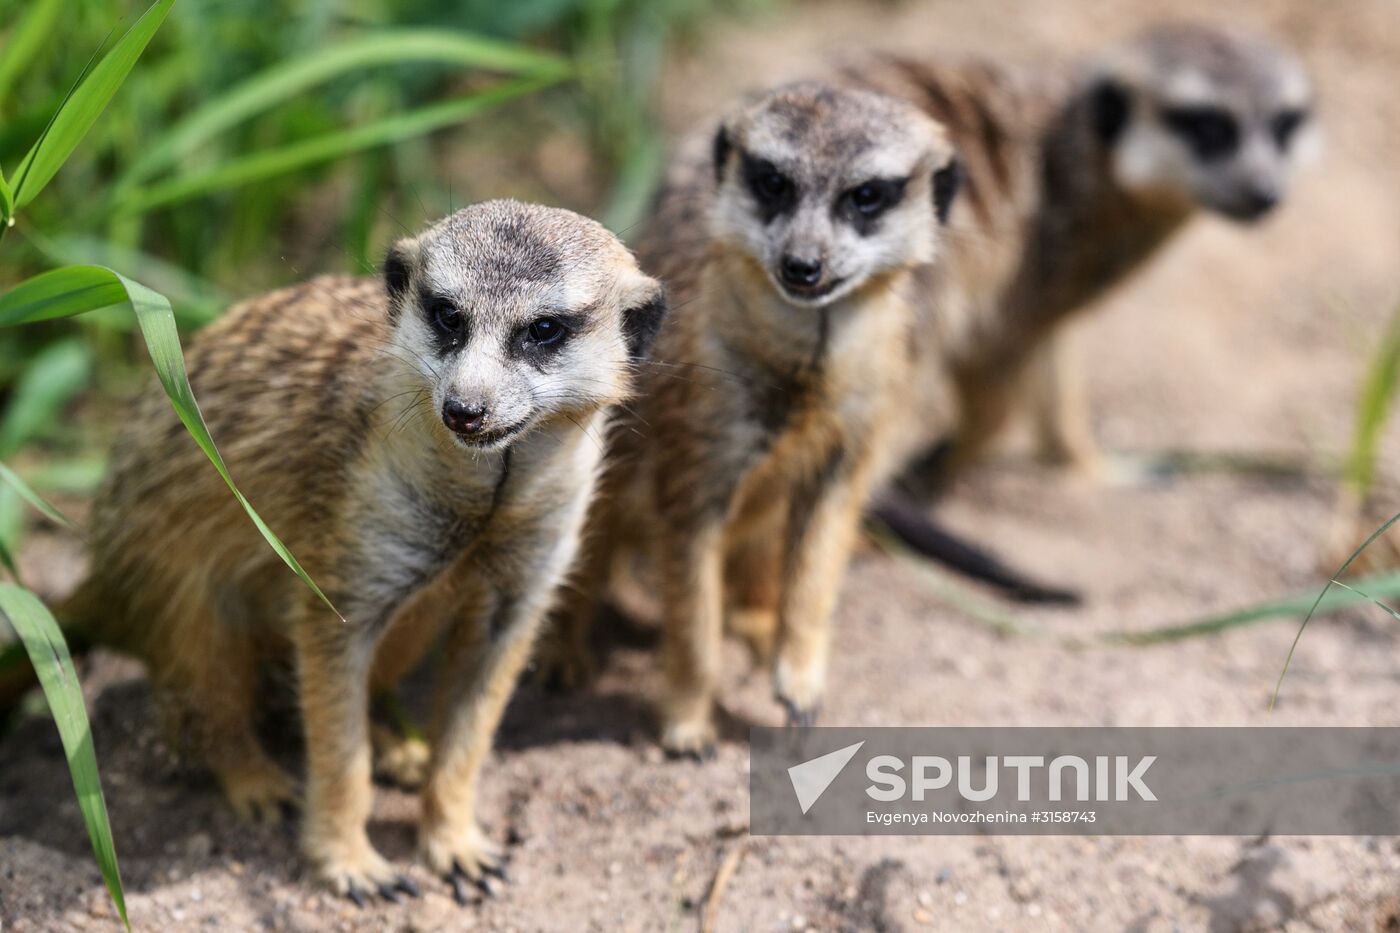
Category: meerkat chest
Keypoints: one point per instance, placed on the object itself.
(412, 508)
(831, 393)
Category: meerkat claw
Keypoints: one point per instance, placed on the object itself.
(459, 888)
(698, 754)
(357, 894)
(800, 717)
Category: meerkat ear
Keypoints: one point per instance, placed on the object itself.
(946, 182)
(642, 316)
(721, 152)
(1108, 109)
(396, 272)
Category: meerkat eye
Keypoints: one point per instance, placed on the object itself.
(772, 185)
(874, 196)
(445, 317)
(1284, 124)
(1211, 132)
(546, 331)
(773, 190)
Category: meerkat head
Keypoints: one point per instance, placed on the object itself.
(824, 188)
(516, 315)
(1201, 116)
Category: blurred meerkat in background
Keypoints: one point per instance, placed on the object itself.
(1074, 179)
(788, 240)
(427, 446)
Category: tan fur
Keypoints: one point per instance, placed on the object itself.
(327, 401)
(1055, 213)
(762, 413)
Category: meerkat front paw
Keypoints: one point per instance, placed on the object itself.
(463, 857)
(355, 870)
(262, 794)
(799, 687)
(399, 760)
(688, 731)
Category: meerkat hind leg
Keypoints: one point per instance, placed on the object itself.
(216, 686)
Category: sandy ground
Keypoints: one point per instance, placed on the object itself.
(1234, 341)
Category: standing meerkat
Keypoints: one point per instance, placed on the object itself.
(1074, 179)
(787, 239)
(427, 446)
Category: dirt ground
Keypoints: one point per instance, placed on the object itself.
(1234, 341)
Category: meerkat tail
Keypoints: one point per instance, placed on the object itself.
(907, 522)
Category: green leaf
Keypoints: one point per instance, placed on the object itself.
(1294, 606)
(91, 287)
(49, 381)
(327, 147)
(287, 81)
(10, 478)
(84, 105)
(1373, 409)
(25, 41)
(60, 293)
(49, 654)
(196, 300)
(7, 561)
(1377, 588)
(7, 201)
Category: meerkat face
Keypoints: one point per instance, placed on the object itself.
(515, 315)
(1204, 117)
(824, 188)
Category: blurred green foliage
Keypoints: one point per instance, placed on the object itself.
(208, 196)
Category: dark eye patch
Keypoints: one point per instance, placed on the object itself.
(1285, 124)
(1211, 132)
(446, 321)
(862, 205)
(774, 191)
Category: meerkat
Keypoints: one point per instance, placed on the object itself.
(426, 444)
(787, 240)
(1074, 178)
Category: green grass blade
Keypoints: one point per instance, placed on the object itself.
(1373, 409)
(59, 293)
(1299, 604)
(82, 108)
(7, 201)
(49, 654)
(92, 287)
(74, 476)
(196, 300)
(287, 81)
(1370, 585)
(327, 147)
(960, 597)
(7, 560)
(49, 381)
(26, 39)
(42, 505)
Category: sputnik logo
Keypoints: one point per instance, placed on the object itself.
(811, 778)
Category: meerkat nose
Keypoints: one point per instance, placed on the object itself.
(1261, 199)
(461, 417)
(798, 271)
